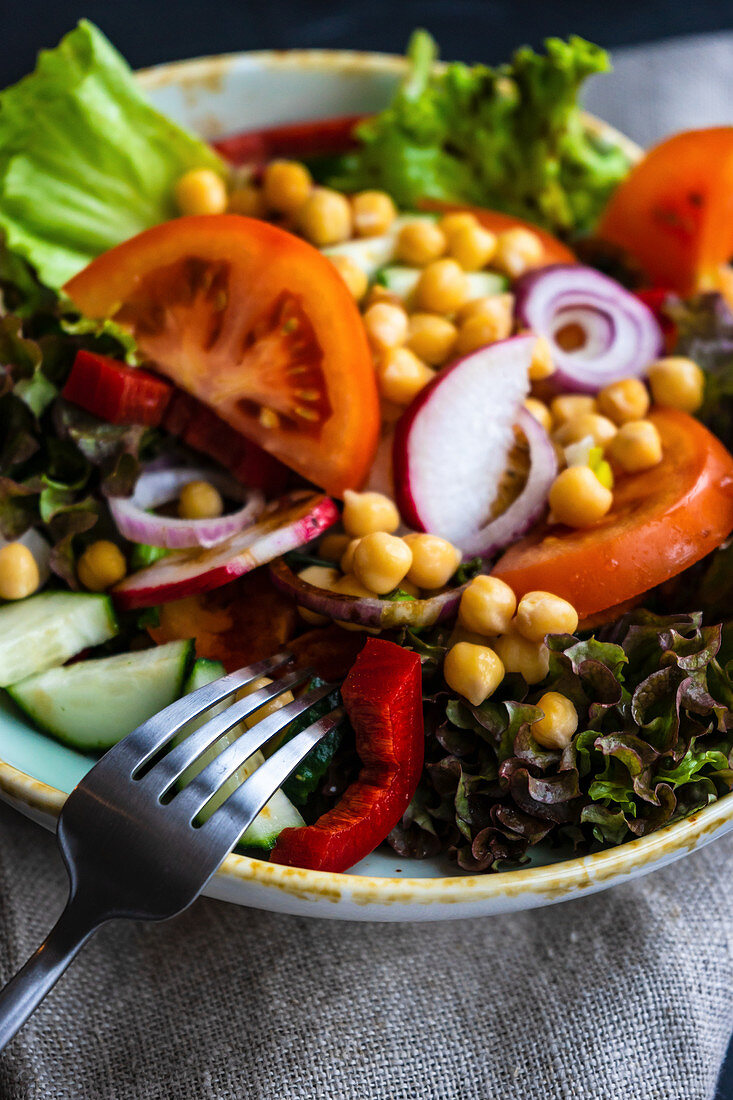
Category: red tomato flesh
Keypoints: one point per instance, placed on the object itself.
(663, 520)
(256, 324)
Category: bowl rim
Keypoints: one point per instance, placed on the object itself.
(552, 881)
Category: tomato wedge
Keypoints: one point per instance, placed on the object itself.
(663, 520)
(257, 324)
(674, 212)
(555, 252)
(115, 392)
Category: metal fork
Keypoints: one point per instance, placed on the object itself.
(129, 833)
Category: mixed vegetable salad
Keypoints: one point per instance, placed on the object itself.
(439, 401)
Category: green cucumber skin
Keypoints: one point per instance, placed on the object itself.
(118, 693)
(279, 812)
(44, 631)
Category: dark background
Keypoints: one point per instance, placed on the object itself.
(148, 32)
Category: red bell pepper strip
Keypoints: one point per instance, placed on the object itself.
(382, 695)
(296, 140)
(115, 392)
(199, 426)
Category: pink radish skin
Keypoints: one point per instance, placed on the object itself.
(286, 524)
(451, 445)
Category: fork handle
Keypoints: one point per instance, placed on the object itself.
(25, 991)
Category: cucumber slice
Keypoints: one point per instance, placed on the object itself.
(93, 704)
(279, 813)
(402, 281)
(46, 630)
(482, 284)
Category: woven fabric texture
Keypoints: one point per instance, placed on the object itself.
(623, 994)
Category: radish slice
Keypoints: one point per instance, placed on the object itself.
(528, 507)
(616, 334)
(159, 486)
(451, 445)
(367, 611)
(286, 524)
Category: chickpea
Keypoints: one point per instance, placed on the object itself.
(351, 586)
(378, 295)
(434, 560)
(431, 337)
(354, 277)
(637, 446)
(101, 565)
(540, 411)
(485, 321)
(518, 250)
(677, 383)
(486, 303)
(381, 561)
(473, 246)
(267, 708)
(541, 365)
(201, 191)
(332, 547)
(321, 577)
(373, 213)
(458, 220)
(474, 671)
(401, 375)
(577, 497)
(568, 406)
(386, 325)
(248, 201)
(325, 217)
(477, 332)
(19, 576)
(624, 400)
(200, 500)
(286, 185)
(367, 512)
(599, 428)
(557, 726)
(442, 287)
(541, 613)
(419, 243)
(487, 606)
(530, 659)
(347, 558)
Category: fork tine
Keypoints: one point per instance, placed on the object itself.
(175, 763)
(230, 820)
(210, 779)
(144, 742)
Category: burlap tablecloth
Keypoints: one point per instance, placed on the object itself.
(623, 995)
(626, 994)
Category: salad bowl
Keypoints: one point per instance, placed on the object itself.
(218, 96)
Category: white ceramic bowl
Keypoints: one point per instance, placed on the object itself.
(217, 96)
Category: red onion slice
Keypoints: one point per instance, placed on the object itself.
(526, 510)
(622, 335)
(366, 611)
(157, 486)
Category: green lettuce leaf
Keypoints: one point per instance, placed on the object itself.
(511, 138)
(85, 161)
(704, 327)
(654, 696)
